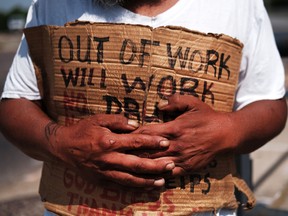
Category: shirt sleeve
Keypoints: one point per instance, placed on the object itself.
(21, 79)
(262, 75)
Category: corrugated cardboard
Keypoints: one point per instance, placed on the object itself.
(89, 68)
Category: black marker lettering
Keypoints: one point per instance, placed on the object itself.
(170, 183)
(192, 61)
(144, 42)
(224, 66)
(84, 70)
(71, 77)
(127, 43)
(100, 48)
(62, 40)
(194, 180)
(189, 86)
(182, 182)
(172, 58)
(155, 115)
(90, 79)
(212, 61)
(131, 108)
(207, 181)
(88, 50)
(110, 100)
(207, 91)
(166, 87)
(137, 81)
(103, 79)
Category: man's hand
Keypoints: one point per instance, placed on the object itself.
(93, 144)
(196, 136)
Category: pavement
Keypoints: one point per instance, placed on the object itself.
(20, 174)
(270, 173)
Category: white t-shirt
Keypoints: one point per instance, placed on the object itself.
(262, 72)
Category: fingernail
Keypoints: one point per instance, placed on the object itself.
(163, 103)
(170, 166)
(164, 143)
(133, 123)
(159, 182)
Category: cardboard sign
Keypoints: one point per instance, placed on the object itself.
(89, 68)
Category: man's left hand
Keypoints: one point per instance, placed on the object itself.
(196, 135)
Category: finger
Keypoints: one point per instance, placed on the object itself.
(127, 142)
(115, 122)
(123, 178)
(178, 171)
(131, 180)
(152, 154)
(137, 165)
(167, 130)
(181, 103)
(135, 178)
(182, 169)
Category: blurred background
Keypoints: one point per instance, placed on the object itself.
(266, 170)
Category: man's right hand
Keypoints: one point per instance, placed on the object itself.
(94, 143)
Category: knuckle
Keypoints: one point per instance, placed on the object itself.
(184, 167)
(127, 180)
(138, 142)
(187, 167)
(181, 171)
(176, 150)
(104, 144)
(177, 131)
(107, 143)
(144, 131)
(139, 167)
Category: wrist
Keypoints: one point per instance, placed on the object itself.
(52, 133)
(233, 133)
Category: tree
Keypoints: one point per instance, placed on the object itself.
(4, 17)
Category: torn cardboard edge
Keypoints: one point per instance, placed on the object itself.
(62, 75)
(223, 37)
(227, 41)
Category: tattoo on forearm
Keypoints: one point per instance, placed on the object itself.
(51, 129)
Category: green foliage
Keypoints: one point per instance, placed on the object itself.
(4, 16)
(3, 21)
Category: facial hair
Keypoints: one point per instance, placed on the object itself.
(108, 3)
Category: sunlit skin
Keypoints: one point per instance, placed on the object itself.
(177, 147)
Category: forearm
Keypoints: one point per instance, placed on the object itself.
(258, 123)
(90, 145)
(23, 123)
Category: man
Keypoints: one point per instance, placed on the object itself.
(189, 142)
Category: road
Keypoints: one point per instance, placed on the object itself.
(19, 174)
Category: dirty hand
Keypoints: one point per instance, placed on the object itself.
(196, 135)
(96, 144)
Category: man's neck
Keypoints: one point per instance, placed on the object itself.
(149, 8)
